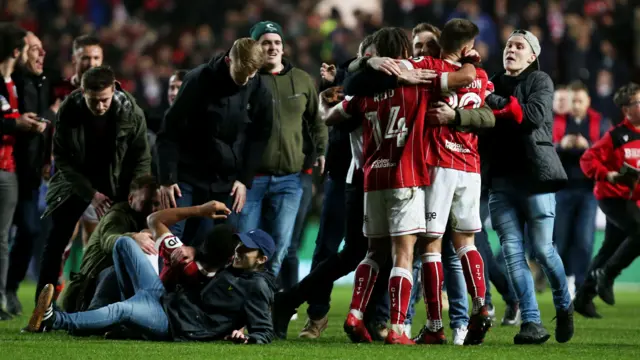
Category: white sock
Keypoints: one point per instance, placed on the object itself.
(357, 313)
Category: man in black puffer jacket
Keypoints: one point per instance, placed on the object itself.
(215, 133)
(523, 173)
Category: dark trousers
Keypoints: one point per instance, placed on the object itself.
(107, 289)
(63, 222)
(332, 228)
(290, 265)
(27, 221)
(193, 230)
(319, 283)
(624, 215)
(574, 230)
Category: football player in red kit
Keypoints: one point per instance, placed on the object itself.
(395, 177)
(185, 270)
(454, 194)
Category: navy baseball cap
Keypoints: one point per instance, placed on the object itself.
(258, 239)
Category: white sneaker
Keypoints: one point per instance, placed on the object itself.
(407, 330)
(492, 312)
(294, 317)
(459, 335)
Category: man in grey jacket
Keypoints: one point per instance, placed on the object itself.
(523, 173)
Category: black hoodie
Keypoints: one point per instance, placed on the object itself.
(216, 131)
(233, 299)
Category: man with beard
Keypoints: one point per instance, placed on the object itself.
(32, 153)
(99, 146)
(127, 218)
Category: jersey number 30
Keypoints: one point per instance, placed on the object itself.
(468, 100)
(396, 128)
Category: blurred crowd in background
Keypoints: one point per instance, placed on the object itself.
(146, 40)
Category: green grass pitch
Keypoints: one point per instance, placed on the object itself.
(616, 336)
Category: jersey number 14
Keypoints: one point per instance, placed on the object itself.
(396, 128)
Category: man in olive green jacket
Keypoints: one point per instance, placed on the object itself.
(295, 101)
(99, 147)
(127, 218)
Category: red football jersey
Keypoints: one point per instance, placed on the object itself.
(189, 274)
(449, 148)
(393, 136)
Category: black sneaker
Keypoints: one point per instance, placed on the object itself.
(43, 315)
(511, 315)
(605, 286)
(564, 324)
(583, 305)
(281, 314)
(5, 316)
(531, 333)
(14, 307)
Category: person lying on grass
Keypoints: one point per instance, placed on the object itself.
(239, 295)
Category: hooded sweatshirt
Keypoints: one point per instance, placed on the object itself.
(295, 100)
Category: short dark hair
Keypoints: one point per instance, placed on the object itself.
(11, 38)
(85, 40)
(98, 78)
(392, 42)
(456, 33)
(578, 86)
(218, 247)
(561, 87)
(422, 27)
(366, 42)
(624, 94)
(179, 74)
(144, 182)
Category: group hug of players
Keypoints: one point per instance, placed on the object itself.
(419, 179)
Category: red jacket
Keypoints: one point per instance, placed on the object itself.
(619, 145)
(560, 126)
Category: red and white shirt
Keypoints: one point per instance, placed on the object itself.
(448, 147)
(10, 111)
(190, 274)
(393, 137)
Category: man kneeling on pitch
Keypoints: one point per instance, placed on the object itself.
(238, 295)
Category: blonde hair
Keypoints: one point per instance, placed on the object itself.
(247, 55)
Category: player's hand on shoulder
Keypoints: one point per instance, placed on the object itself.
(416, 76)
(387, 65)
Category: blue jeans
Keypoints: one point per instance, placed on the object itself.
(140, 290)
(575, 229)
(283, 195)
(192, 231)
(494, 266)
(330, 235)
(289, 271)
(453, 280)
(511, 209)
